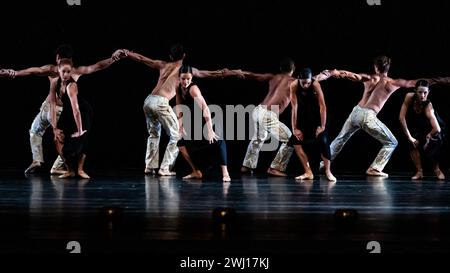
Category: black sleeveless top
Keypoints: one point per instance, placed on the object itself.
(308, 111)
(66, 121)
(418, 122)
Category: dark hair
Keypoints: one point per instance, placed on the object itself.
(177, 52)
(305, 73)
(185, 69)
(64, 62)
(64, 51)
(287, 65)
(422, 83)
(382, 63)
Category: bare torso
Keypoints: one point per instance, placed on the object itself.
(278, 97)
(168, 80)
(376, 92)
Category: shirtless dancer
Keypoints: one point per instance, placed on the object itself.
(378, 88)
(265, 117)
(158, 111)
(42, 120)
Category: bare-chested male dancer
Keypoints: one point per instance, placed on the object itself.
(158, 111)
(378, 88)
(42, 120)
(265, 117)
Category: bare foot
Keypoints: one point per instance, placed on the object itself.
(226, 178)
(439, 174)
(305, 176)
(166, 172)
(84, 175)
(330, 177)
(417, 176)
(33, 167)
(67, 175)
(373, 172)
(276, 172)
(194, 175)
(57, 171)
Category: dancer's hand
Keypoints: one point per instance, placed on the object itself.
(119, 54)
(59, 135)
(319, 130)
(298, 134)
(9, 73)
(78, 134)
(414, 142)
(212, 137)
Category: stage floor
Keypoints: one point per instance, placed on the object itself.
(152, 214)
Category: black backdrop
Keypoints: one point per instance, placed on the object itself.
(252, 35)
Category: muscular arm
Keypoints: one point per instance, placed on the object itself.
(439, 80)
(84, 70)
(72, 91)
(406, 104)
(46, 70)
(157, 64)
(404, 83)
(259, 77)
(429, 112)
(352, 76)
(322, 104)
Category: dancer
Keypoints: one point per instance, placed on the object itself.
(423, 127)
(377, 90)
(189, 94)
(73, 127)
(309, 119)
(42, 120)
(266, 122)
(158, 111)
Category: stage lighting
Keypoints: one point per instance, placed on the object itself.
(111, 214)
(346, 215)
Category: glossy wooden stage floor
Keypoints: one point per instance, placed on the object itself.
(41, 214)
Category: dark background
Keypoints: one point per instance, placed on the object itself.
(251, 35)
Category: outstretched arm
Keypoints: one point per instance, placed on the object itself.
(259, 77)
(157, 64)
(222, 73)
(84, 70)
(438, 80)
(46, 70)
(404, 83)
(322, 107)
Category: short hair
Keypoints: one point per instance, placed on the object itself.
(423, 83)
(305, 73)
(287, 65)
(382, 63)
(65, 61)
(64, 51)
(185, 69)
(177, 52)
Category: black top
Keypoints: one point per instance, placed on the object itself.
(308, 111)
(418, 122)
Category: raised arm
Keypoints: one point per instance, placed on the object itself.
(438, 80)
(157, 64)
(197, 95)
(46, 70)
(72, 92)
(404, 83)
(322, 107)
